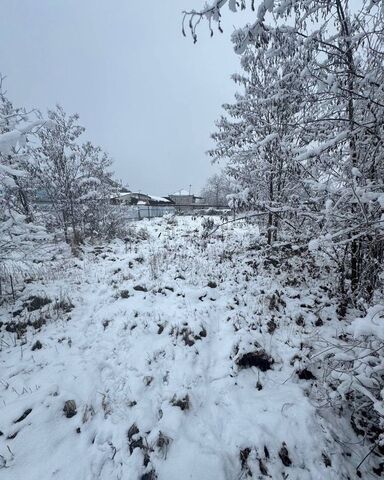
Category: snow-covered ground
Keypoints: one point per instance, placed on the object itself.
(172, 357)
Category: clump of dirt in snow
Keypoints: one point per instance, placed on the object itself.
(70, 408)
(188, 336)
(305, 374)
(37, 345)
(36, 303)
(182, 403)
(259, 359)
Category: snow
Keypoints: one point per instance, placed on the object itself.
(159, 199)
(371, 324)
(6, 170)
(268, 139)
(314, 245)
(356, 172)
(154, 322)
(11, 139)
(316, 151)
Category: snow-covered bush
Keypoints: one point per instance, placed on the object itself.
(354, 369)
(207, 224)
(170, 219)
(107, 221)
(20, 234)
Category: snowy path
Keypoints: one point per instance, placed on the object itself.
(150, 356)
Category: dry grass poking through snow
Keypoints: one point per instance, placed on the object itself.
(175, 356)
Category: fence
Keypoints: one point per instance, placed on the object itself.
(138, 212)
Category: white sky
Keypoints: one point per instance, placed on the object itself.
(146, 95)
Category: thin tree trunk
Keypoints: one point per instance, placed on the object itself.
(351, 70)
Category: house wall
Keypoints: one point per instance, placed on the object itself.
(183, 199)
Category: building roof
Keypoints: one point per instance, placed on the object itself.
(159, 199)
(120, 194)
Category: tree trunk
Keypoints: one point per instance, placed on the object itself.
(351, 71)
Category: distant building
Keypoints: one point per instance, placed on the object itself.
(184, 198)
(138, 198)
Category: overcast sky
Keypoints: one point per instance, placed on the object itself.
(145, 94)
